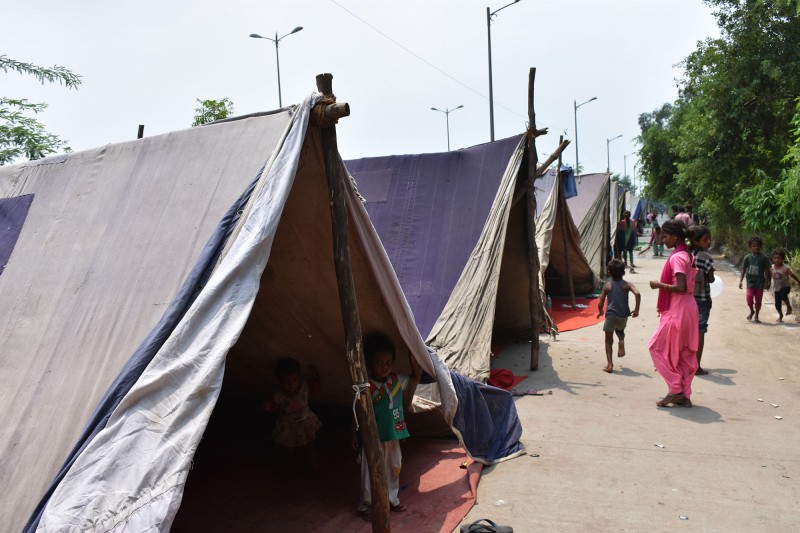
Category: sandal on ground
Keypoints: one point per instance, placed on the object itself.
(365, 515)
(485, 525)
(671, 398)
(701, 372)
(683, 402)
(399, 508)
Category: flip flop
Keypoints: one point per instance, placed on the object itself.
(484, 525)
(365, 515)
(399, 508)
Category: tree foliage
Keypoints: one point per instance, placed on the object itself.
(20, 134)
(728, 134)
(211, 110)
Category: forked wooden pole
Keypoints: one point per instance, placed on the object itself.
(534, 297)
(337, 178)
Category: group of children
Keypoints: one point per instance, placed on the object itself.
(684, 302)
(296, 425)
(760, 274)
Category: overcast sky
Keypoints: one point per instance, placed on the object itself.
(146, 62)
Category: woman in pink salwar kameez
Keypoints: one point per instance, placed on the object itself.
(673, 346)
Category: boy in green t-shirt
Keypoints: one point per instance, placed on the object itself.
(391, 397)
(756, 269)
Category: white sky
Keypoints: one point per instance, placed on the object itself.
(146, 62)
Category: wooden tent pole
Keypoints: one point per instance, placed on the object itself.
(606, 232)
(562, 209)
(534, 297)
(337, 178)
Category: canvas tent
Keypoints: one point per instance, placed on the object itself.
(454, 227)
(144, 277)
(591, 209)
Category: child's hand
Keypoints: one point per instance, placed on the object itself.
(635, 314)
(740, 284)
(599, 313)
(654, 284)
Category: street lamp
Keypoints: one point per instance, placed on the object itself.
(489, 15)
(608, 156)
(276, 40)
(447, 116)
(625, 163)
(577, 105)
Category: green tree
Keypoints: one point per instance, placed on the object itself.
(20, 134)
(211, 110)
(730, 130)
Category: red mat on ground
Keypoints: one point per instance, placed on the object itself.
(250, 486)
(568, 319)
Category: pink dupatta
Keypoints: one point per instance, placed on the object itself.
(664, 296)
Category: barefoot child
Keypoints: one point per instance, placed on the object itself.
(391, 397)
(701, 241)
(780, 283)
(618, 310)
(756, 268)
(296, 426)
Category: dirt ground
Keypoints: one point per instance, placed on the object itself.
(603, 457)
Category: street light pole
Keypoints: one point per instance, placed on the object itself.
(447, 116)
(277, 40)
(625, 163)
(489, 15)
(608, 153)
(577, 105)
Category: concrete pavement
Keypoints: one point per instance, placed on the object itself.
(610, 460)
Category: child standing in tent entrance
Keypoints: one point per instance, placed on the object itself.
(391, 395)
(618, 311)
(296, 425)
(780, 282)
(756, 269)
(701, 241)
(626, 239)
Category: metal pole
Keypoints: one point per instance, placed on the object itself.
(278, 63)
(491, 94)
(447, 118)
(577, 167)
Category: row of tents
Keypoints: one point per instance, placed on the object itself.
(140, 280)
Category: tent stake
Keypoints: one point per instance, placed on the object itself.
(334, 169)
(534, 298)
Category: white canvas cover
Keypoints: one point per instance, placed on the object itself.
(590, 211)
(116, 231)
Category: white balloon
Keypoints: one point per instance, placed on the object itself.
(715, 288)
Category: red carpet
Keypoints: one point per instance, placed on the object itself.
(568, 319)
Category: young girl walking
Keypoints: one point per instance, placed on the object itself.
(701, 241)
(780, 282)
(673, 346)
(755, 269)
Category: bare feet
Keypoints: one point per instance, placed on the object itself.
(621, 349)
(780, 318)
(700, 372)
(750, 316)
(756, 320)
(609, 369)
(788, 309)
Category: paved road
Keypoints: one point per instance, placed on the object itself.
(610, 460)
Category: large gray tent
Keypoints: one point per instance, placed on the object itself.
(591, 211)
(141, 274)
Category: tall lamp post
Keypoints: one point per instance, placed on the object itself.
(625, 165)
(447, 116)
(608, 153)
(277, 40)
(489, 15)
(577, 105)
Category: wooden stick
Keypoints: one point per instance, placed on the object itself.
(534, 298)
(337, 177)
(562, 203)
